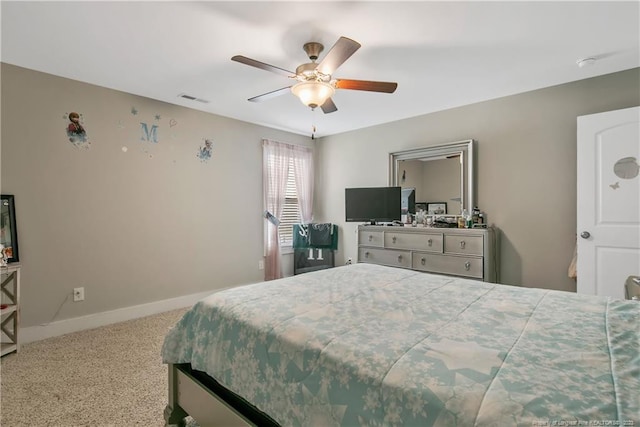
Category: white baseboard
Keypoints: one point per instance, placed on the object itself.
(61, 327)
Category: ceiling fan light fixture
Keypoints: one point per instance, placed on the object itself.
(313, 94)
(313, 84)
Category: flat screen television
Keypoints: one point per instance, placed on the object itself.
(372, 204)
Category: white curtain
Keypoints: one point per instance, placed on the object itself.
(276, 159)
(303, 171)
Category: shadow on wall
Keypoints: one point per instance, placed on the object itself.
(510, 262)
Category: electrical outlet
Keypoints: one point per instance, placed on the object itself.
(349, 261)
(261, 265)
(78, 294)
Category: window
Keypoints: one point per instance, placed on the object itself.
(288, 196)
(290, 211)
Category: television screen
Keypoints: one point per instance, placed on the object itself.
(373, 204)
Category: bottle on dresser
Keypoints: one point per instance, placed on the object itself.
(465, 220)
(462, 219)
(479, 219)
(475, 215)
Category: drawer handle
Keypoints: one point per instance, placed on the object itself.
(370, 237)
(430, 242)
(467, 265)
(399, 258)
(366, 254)
(462, 244)
(393, 239)
(423, 261)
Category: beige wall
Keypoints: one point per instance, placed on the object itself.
(413, 172)
(526, 168)
(132, 227)
(434, 180)
(441, 183)
(155, 222)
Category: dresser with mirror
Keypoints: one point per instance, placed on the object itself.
(440, 175)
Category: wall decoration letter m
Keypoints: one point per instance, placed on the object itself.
(149, 134)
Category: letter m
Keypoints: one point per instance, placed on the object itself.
(149, 135)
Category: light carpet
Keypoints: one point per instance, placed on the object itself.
(108, 376)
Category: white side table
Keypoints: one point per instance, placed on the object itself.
(9, 308)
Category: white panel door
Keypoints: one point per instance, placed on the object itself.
(608, 217)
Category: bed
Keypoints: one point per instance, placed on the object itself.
(369, 345)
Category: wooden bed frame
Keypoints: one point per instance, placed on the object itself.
(194, 393)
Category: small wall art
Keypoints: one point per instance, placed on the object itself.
(75, 130)
(205, 151)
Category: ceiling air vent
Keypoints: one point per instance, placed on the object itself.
(192, 98)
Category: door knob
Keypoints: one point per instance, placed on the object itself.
(585, 234)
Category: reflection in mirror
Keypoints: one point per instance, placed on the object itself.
(440, 174)
(408, 200)
(438, 180)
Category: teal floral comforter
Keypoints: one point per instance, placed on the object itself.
(367, 345)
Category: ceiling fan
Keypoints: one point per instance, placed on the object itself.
(315, 86)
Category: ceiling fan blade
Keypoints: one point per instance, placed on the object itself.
(340, 52)
(329, 106)
(252, 62)
(387, 87)
(270, 95)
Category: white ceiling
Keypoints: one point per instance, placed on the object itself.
(442, 54)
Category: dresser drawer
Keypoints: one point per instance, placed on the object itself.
(385, 256)
(371, 238)
(414, 241)
(456, 265)
(471, 253)
(464, 245)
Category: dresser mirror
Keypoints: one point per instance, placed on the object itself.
(442, 175)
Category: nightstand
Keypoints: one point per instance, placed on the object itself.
(10, 308)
